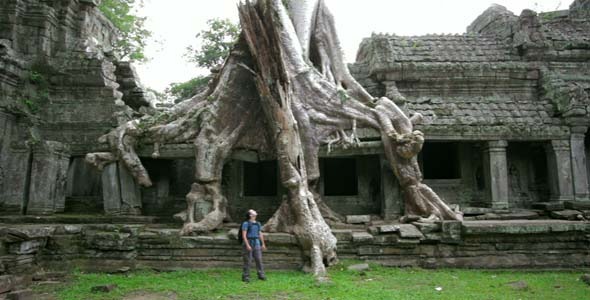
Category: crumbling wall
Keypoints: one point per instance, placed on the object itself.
(59, 92)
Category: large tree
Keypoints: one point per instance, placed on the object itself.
(284, 90)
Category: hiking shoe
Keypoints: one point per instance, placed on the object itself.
(246, 280)
(262, 277)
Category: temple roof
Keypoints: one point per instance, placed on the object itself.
(509, 76)
(564, 32)
(436, 48)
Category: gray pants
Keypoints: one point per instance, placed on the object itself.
(247, 256)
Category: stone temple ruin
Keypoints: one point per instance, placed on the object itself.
(506, 118)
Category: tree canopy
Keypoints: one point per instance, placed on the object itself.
(132, 32)
(216, 42)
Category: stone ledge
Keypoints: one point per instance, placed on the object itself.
(522, 227)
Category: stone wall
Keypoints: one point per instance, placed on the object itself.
(61, 87)
(471, 244)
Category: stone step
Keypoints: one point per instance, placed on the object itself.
(568, 214)
(577, 205)
(548, 206)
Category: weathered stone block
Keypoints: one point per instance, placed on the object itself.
(548, 206)
(521, 227)
(520, 215)
(386, 239)
(110, 241)
(362, 237)
(568, 214)
(388, 228)
(48, 178)
(428, 227)
(280, 238)
(342, 234)
(111, 190)
(130, 192)
(233, 233)
(14, 183)
(451, 231)
(474, 211)
(27, 247)
(409, 231)
(577, 205)
(358, 219)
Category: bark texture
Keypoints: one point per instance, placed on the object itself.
(284, 90)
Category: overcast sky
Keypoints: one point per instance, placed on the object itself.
(175, 23)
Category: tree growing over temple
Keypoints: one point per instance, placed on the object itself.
(284, 90)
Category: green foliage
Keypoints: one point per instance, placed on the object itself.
(36, 90)
(185, 90)
(377, 283)
(216, 42)
(133, 35)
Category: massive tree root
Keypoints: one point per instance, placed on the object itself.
(284, 91)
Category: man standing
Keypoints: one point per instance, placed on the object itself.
(253, 246)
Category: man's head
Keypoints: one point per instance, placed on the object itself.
(252, 214)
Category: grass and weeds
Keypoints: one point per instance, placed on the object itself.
(377, 283)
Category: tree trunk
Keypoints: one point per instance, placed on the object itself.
(289, 68)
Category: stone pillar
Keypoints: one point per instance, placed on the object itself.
(14, 167)
(391, 200)
(15, 185)
(496, 173)
(579, 171)
(111, 190)
(559, 163)
(49, 169)
(121, 194)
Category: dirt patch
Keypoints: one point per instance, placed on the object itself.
(145, 295)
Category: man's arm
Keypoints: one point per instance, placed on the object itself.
(262, 240)
(245, 239)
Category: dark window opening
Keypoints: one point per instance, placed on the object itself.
(441, 161)
(260, 179)
(340, 177)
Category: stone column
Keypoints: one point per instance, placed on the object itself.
(391, 200)
(559, 167)
(496, 173)
(14, 167)
(48, 177)
(579, 171)
(16, 180)
(111, 190)
(120, 193)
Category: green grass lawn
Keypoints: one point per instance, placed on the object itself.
(377, 283)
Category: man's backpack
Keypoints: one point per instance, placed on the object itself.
(240, 238)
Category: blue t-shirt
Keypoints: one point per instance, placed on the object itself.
(253, 233)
